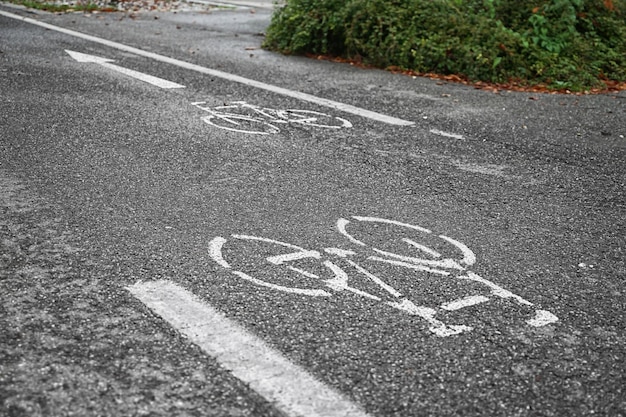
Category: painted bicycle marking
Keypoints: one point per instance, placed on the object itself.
(243, 117)
(338, 263)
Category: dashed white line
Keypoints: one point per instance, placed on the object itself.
(290, 388)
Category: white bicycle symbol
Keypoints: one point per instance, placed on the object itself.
(242, 117)
(428, 260)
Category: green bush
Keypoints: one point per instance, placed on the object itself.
(573, 44)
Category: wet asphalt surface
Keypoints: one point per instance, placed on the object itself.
(106, 180)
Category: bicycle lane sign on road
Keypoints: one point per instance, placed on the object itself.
(342, 272)
(242, 117)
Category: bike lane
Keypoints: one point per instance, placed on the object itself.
(156, 201)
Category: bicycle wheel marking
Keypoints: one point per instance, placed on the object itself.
(215, 252)
(243, 117)
(346, 273)
(469, 258)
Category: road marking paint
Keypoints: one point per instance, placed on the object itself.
(215, 251)
(375, 279)
(342, 253)
(289, 387)
(409, 264)
(340, 282)
(472, 300)
(444, 263)
(446, 134)
(303, 272)
(220, 74)
(437, 327)
(290, 290)
(106, 63)
(294, 256)
(256, 120)
(495, 289)
(469, 258)
(542, 318)
(387, 221)
(342, 223)
(423, 248)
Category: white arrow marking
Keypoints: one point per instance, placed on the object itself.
(105, 62)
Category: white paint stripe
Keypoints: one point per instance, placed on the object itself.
(380, 220)
(289, 387)
(409, 265)
(472, 300)
(446, 134)
(423, 248)
(444, 263)
(341, 226)
(215, 251)
(220, 74)
(428, 314)
(340, 282)
(542, 318)
(156, 81)
(290, 290)
(342, 253)
(376, 280)
(288, 257)
(469, 258)
(303, 272)
(495, 289)
(105, 62)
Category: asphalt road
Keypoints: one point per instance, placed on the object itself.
(107, 181)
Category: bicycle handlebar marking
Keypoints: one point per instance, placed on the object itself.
(447, 268)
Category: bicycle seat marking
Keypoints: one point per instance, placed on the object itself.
(328, 269)
(242, 117)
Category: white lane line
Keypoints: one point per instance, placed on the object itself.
(220, 74)
(289, 387)
(446, 134)
(107, 63)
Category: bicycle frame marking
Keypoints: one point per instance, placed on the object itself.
(449, 268)
(264, 119)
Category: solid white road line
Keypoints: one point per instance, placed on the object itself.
(289, 387)
(106, 63)
(220, 74)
